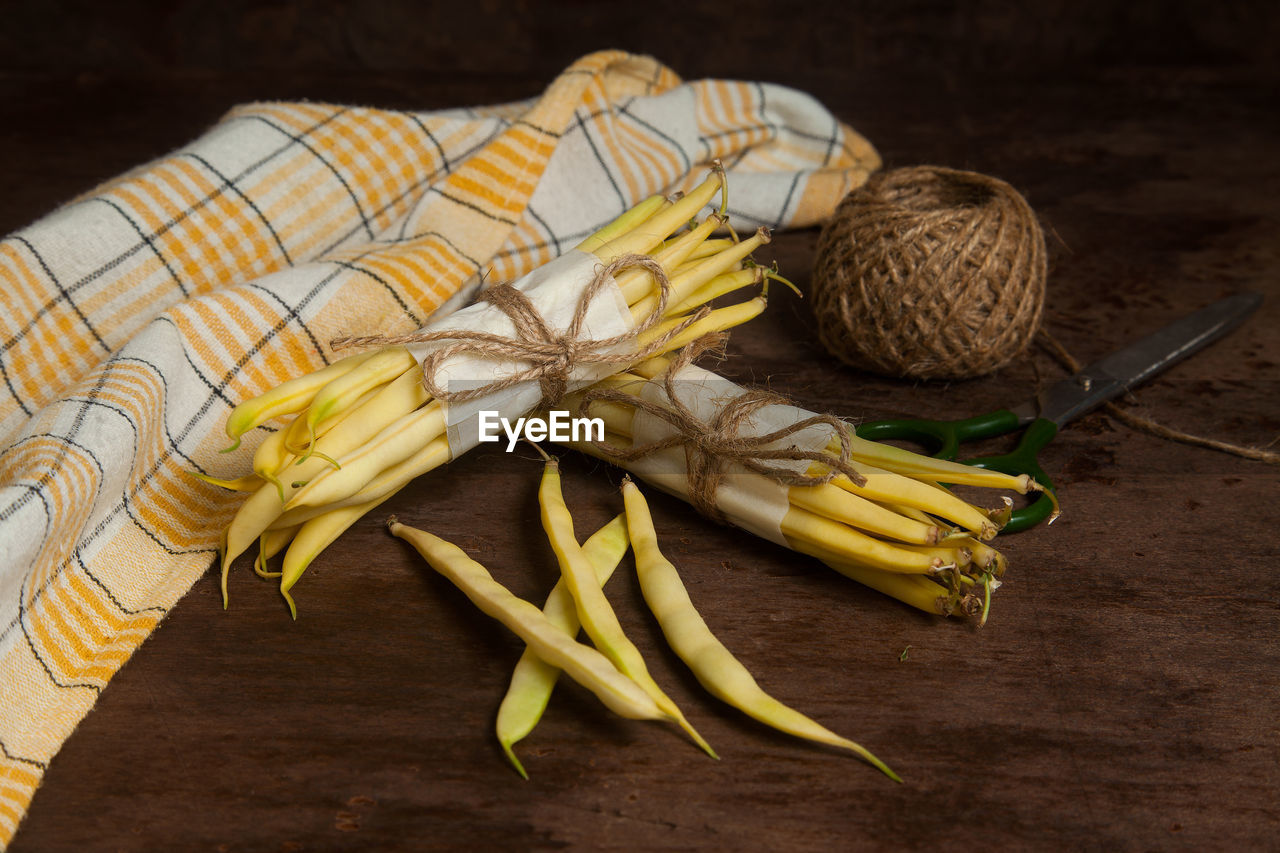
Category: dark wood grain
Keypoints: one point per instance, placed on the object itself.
(1125, 693)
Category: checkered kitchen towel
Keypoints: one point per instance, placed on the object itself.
(136, 316)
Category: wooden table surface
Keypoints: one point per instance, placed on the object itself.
(1124, 694)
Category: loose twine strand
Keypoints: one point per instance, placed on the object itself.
(1145, 424)
(551, 356)
(709, 445)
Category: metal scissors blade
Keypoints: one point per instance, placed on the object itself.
(1115, 374)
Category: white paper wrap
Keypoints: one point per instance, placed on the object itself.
(555, 289)
(751, 501)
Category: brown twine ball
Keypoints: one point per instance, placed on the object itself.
(930, 273)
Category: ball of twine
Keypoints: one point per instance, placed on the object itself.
(930, 273)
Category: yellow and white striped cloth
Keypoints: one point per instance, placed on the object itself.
(135, 316)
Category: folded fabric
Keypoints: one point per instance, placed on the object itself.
(135, 316)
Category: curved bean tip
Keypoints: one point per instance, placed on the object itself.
(515, 762)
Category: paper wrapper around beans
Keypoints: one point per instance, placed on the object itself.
(803, 480)
(367, 425)
(930, 273)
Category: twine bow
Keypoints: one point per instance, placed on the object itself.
(551, 355)
(710, 444)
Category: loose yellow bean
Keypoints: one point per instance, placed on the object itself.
(583, 664)
(687, 633)
(594, 611)
(533, 679)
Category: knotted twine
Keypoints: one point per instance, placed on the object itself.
(710, 445)
(551, 355)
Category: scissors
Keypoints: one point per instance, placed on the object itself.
(1070, 398)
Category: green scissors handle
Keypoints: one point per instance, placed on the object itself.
(1067, 400)
(943, 439)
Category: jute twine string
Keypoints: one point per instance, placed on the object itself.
(710, 444)
(1145, 424)
(930, 273)
(551, 355)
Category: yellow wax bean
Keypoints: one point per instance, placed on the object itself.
(263, 509)
(396, 442)
(314, 536)
(922, 467)
(583, 664)
(687, 633)
(533, 679)
(882, 485)
(717, 287)
(297, 440)
(984, 556)
(272, 455)
(909, 511)
(271, 458)
(649, 234)
(710, 247)
(685, 283)
(247, 483)
(251, 519)
(810, 533)
(627, 221)
(638, 285)
(381, 367)
(594, 611)
(837, 504)
(716, 320)
(353, 426)
(653, 367)
(918, 591)
(270, 543)
(949, 554)
(286, 398)
(431, 456)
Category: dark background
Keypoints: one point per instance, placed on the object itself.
(1124, 695)
(166, 70)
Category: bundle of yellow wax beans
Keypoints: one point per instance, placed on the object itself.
(361, 429)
